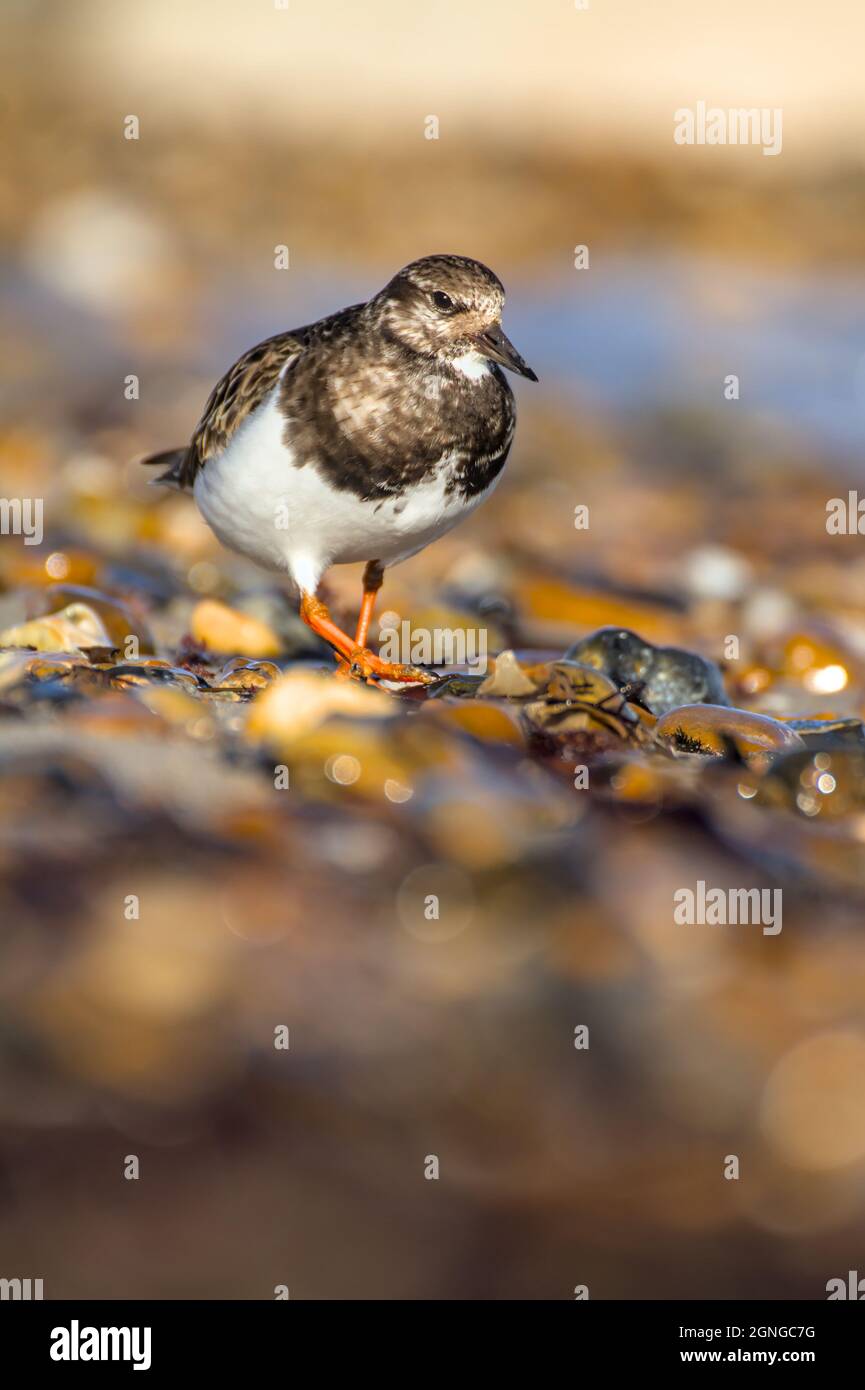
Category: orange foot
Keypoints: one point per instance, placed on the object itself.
(365, 665)
(355, 659)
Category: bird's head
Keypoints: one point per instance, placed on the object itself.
(450, 308)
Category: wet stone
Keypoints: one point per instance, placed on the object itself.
(299, 701)
(462, 687)
(717, 731)
(118, 618)
(220, 628)
(245, 676)
(71, 628)
(662, 678)
(154, 672)
(579, 700)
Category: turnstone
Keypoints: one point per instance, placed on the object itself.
(363, 436)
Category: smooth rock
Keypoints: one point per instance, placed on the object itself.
(222, 629)
(663, 678)
(75, 626)
(711, 729)
(300, 701)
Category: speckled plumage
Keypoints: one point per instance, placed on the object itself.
(375, 428)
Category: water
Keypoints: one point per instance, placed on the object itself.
(634, 335)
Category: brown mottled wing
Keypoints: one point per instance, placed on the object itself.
(233, 398)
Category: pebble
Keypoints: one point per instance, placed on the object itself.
(580, 700)
(69, 629)
(299, 701)
(222, 629)
(660, 677)
(711, 729)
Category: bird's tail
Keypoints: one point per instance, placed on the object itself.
(172, 461)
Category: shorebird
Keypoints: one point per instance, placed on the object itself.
(363, 436)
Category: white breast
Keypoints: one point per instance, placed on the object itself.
(291, 519)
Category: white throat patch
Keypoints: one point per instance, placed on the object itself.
(472, 364)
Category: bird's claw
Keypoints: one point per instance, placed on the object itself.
(365, 665)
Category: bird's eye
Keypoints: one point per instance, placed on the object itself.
(443, 301)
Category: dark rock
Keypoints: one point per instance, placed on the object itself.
(661, 678)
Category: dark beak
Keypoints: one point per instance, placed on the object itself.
(496, 345)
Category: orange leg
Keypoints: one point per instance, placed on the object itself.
(317, 616)
(359, 660)
(373, 578)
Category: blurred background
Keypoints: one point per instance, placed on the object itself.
(167, 905)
